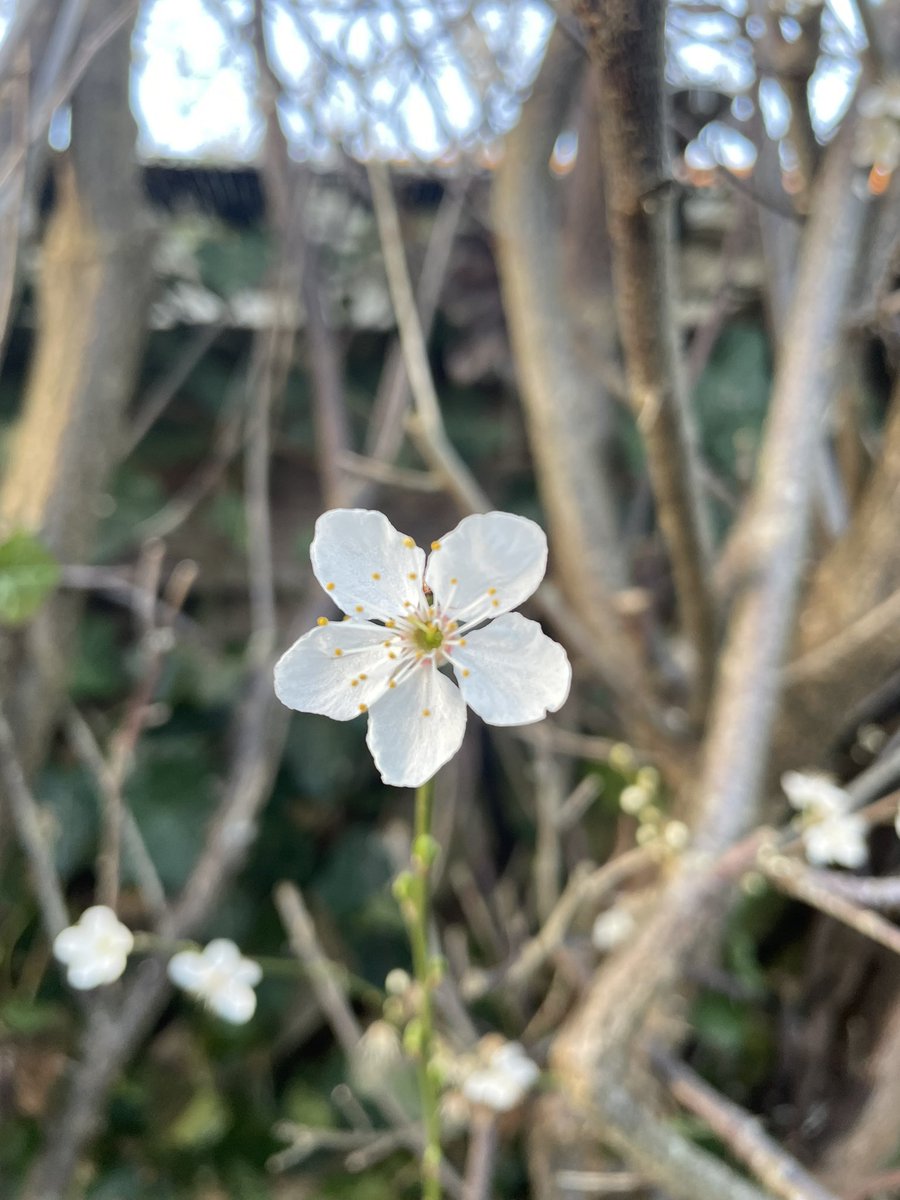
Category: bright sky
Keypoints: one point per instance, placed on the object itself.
(401, 77)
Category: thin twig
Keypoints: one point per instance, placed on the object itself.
(793, 877)
(586, 887)
(427, 424)
(347, 1031)
(26, 815)
(85, 745)
(479, 1176)
(742, 1133)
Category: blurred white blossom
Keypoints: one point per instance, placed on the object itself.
(831, 831)
(220, 977)
(95, 950)
(612, 928)
(504, 1080)
(878, 134)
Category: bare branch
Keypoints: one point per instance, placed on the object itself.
(628, 42)
(742, 1133)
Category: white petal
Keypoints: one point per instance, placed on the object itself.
(493, 1089)
(512, 1061)
(367, 567)
(408, 746)
(234, 1002)
(222, 954)
(814, 792)
(840, 840)
(313, 677)
(71, 944)
(511, 673)
(99, 920)
(487, 550)
(190, 971)
(93, 972)
(248, 972)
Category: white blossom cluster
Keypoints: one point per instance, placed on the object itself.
(831, 831)
(502, 1079)
(95, 952)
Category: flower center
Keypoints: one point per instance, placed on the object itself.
(428, 635)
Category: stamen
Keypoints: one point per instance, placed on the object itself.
(364, 708)
(409, 543)
(492, 591)
(338, 653)
(364, 677)
(435, 545)
(426, 712)
(354, 683)
(358, 608)
(376, 575)
(329, 587)
(412, 575)
(321, 620)
(466, 672)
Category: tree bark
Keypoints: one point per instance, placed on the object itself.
(92, 301)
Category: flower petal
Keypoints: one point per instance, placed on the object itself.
(70, 944)
(486, 551)
(234, 1002)
(93, 972)
(511, 673)
(334, 669)
(189, 970)
(416, 727)
(368, 568)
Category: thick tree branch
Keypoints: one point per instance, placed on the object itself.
(626, 39)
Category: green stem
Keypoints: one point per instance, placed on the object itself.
(423, 854)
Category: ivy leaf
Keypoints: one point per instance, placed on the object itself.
(28, 573)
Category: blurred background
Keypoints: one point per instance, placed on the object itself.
(258, 261)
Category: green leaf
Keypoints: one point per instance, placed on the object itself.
(28, 574)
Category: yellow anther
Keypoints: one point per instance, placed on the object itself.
(435, 545)
(347, 617)
(392, 684)
(376, 574)
(322, 621)
(426, 712)
(329, 587)
(338, 653)
(408, 543)
(454, 580)
(492, 591)
(391, 654)
(390, 624)
(407, 603)
(412, 575)
(462, 641)
(495, 603)
(364, 677)
(466, 672)
(453, 626)
(358, 608)
(354, 683)
(364, 708)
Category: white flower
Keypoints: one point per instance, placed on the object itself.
(385, 659)
(95, 950)
(841, 840)
(221, 977)
(832, 832)
(816, 793)
(612, 928)
(504, 1081)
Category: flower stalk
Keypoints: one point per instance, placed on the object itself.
(415, 897)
